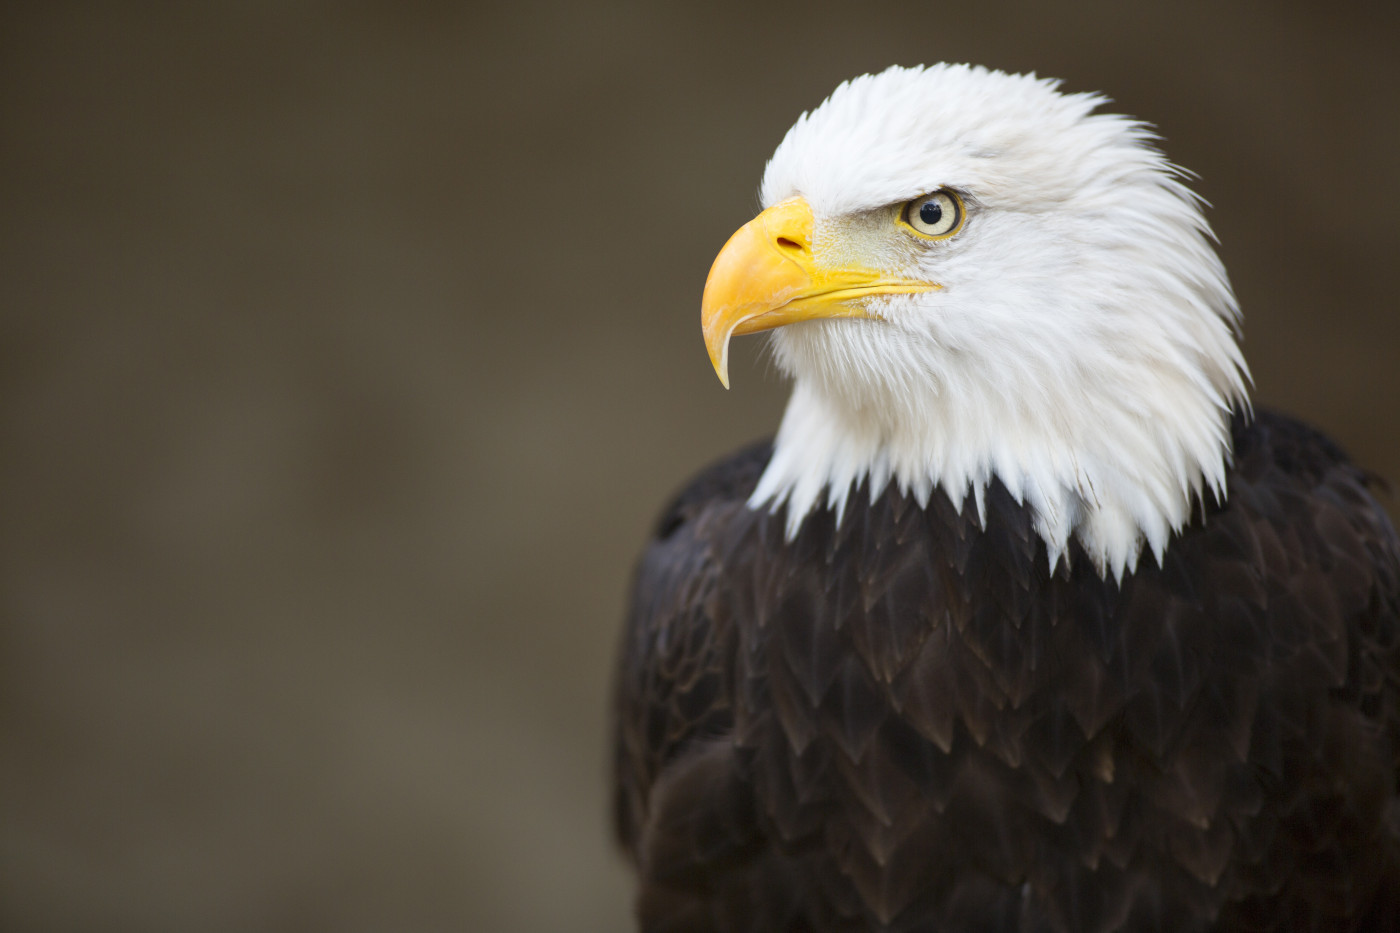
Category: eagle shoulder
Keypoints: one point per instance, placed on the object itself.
(672, 686)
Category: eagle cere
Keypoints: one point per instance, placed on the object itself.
(1024, 620)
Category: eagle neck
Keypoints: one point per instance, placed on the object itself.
(1118, 483)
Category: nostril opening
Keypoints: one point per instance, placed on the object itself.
(785, 243)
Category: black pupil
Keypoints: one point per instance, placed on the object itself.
(931, 212)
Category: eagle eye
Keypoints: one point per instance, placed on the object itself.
(934, 216)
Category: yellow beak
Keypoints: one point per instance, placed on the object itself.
(766, 277)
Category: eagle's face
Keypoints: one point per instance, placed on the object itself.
(971, 275)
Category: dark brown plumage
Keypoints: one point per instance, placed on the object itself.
(904, 722)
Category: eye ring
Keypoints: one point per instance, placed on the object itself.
(937, 215)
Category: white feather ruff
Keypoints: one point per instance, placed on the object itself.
(1082, 347)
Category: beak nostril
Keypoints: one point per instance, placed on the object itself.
(786, 244)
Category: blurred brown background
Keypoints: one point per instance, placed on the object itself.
(348, 350)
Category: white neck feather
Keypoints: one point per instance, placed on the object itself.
(1114, 478)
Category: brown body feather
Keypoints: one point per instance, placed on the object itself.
(904, 721)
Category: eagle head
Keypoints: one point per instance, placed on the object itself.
(971, 276)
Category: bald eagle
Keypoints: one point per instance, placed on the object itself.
(1025, 620)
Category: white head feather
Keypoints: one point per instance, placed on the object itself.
(1082, 347)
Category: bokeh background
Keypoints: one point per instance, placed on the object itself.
(347, 351)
